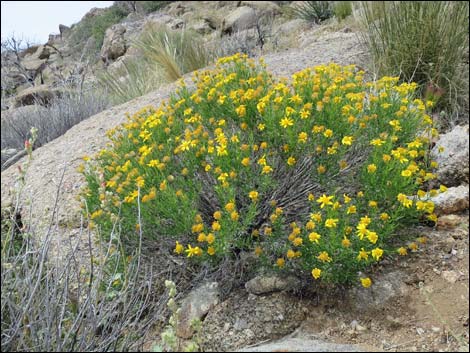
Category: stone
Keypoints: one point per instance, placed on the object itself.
(453, 200)
(195, 306)
(63, 30)
(114, 44)
(448, 221)
(201, 27)
(453, 168)
(450, 276)
(383, 289)
(300, 344)
(264, 7)
(269, 284)
(241, 18)
(42, 95)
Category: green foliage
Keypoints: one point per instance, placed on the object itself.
(422, 41)
(152, 6)
(342, 9)
(96, 26)
(311, 175)
(314, 11)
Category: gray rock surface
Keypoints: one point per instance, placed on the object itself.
(195, 306)
(454, 200)
(453, 161)
(241, 18)
(114, 44)
(268, 284)
(299, 344)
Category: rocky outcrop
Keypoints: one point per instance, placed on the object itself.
(268, 284)
(454, 200)
(241, 18)
(42, 95)
(451, 153)
(114, 44)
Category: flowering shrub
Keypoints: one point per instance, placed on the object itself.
(313, 176)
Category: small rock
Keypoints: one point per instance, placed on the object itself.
(448, 221)
(419, 331)
(450, 276)
(435, 329)
(268, 284)
(195, 306)
(454, 200)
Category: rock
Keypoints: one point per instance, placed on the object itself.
(264, 7)
(42, 95)
(177, 23)
(202, 27)
(114, 44)
(450, 276)
(383, 289)
(195, 306)
(177, 8)
(251, 319)
(448, 221)
(300, 344)
(34, 64)
(268, 284)
(239, 19)
(292, 26)
(453, 167)
(453, 200)
(63, 30)
(93, 13)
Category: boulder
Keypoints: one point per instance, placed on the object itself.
(114, 44)
(453, 160)
(264, 7)
(202, 27)
(63, 30)
(195, 306)
(42, 95)
(453, 200)
(241, 18)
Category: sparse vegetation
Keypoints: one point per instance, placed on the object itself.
(342, 9)
(314, 11)
(424, 42)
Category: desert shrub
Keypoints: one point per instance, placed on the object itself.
(314, 11)
(422, 41)
(342, 9)
(52, 121)
(310, 175)
(96, 26)
(152, 6)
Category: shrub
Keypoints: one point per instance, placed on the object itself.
(311, 175)
(96, 27)
(314, 11)
(152, 6)
(425, 42)
(52, 121)
(342, 9)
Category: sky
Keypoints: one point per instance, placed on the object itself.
(35, 20)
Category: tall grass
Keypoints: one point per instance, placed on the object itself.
(313, 11)
(342, 9)
(422, 41)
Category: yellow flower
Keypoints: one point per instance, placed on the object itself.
(328, 133)
(325, 200)
(406, 173)
(303, 136)
(362, 255)
(253, 195)
(210, 238)
(316, 273)
(331, 222)
(286, 122)
(377, 253)
(310, 225)
(280, 262)
(201, 237)
(346, 242)
(246, 161)
(371, 168)
(258, 251)
(384, 216)
(178, 248)
(196, 251)
(402, 251)
(442, 188)
(316, 216)
(413, 246)
(314, 237)
(241, 111)
(321, 169)
(372, 236)
(197, 228)
(422, 240)
(347, 140)
(268, 231)
(234, 216)
(351, 209)
(377, 142)
(291, 161)
(372, 204)
(366, 282)
(266, 169)
(230, 206)
(216, 226)
(324, 257)
(211, 250)
(297, 241)
(217, 215)
(311, 197)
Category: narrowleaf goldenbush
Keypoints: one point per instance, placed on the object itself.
(314, 175)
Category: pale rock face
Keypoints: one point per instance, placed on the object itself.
(114, 44)
(454, 200)
(453, 160)
(239, 19)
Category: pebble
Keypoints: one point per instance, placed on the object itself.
(435, 329)
(419, 331)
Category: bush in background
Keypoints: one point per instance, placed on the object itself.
(312, 175)
(314, 11)
(421, 41)
(342, 9)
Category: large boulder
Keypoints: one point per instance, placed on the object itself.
(453, 159)
(241, 18)
(42, 95)
(114, 44)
